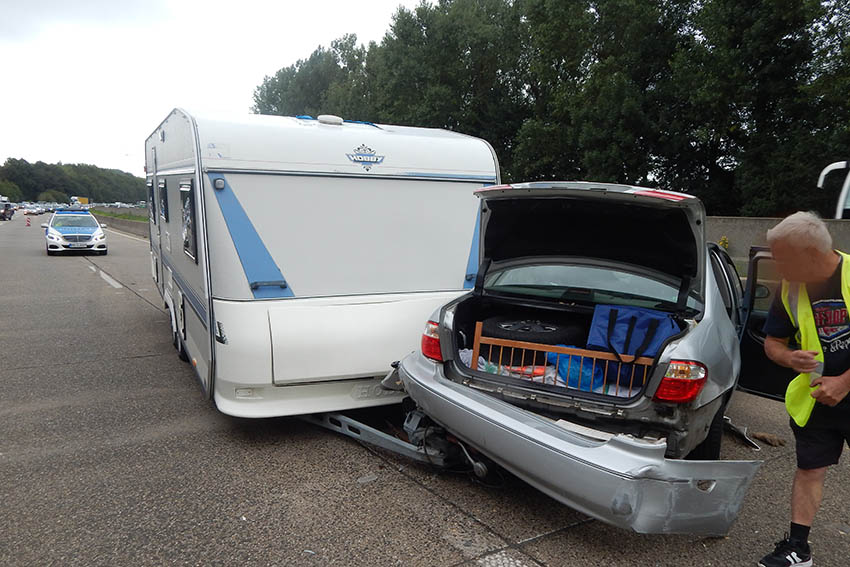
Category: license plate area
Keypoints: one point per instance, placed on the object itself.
(77, 244)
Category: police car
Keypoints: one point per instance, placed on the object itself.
(74, 229)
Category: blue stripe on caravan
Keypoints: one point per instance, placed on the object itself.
(472, 263)
(263, 275)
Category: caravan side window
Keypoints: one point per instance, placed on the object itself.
(163, 199)
(190, 239)
(151, 201)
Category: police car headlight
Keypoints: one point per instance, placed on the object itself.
(98, 236)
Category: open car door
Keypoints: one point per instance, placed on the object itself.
(759, 374)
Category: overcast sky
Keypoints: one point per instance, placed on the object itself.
(86, 81)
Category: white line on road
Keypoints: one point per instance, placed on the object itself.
(110, 281)
(109, 230)
(92, 268)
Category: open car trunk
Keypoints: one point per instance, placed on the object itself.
(549, 255)
(535, 347)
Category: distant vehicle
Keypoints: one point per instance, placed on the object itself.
(74, 229)
(299, 256)
(75, 200)
(7, 210)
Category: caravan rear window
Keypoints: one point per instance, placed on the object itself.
(190, 239)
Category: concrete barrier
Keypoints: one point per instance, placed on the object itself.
(743, 232)
(136, 228)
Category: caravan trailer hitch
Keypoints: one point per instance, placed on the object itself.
(432, 449)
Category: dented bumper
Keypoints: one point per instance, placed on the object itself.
(618, 479)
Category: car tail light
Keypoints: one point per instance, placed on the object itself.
(431, 342)
(682, 382)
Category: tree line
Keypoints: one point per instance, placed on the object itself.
(740, 102)
(57, 182)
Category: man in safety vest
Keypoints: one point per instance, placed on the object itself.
(810, 309)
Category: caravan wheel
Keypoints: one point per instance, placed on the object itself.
(179, 346)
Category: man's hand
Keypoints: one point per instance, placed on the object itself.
(802, 361)
(831, 389)
(777, 350)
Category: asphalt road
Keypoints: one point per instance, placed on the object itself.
(109, 456)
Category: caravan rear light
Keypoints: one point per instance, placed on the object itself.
(431, 342)
(682, 382)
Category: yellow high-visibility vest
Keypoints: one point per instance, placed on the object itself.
(798, 396)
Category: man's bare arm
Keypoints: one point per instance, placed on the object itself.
(778, 351)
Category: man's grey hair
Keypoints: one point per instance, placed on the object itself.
(802, 230)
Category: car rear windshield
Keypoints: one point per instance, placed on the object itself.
(60, 221)
(585, 283)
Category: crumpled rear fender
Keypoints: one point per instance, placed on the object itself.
(618, 479)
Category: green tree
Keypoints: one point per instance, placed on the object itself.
(72, 179)
(740, 102)
(11, 190)
(53, 196)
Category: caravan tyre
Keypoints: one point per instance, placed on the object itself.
(181, 350)
(179, 346)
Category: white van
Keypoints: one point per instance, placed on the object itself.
(299, 256)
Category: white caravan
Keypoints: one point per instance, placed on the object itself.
(298, 257)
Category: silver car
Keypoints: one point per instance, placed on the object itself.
(74, 229)
(640, 455)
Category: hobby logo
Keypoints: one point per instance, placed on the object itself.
(365, 156)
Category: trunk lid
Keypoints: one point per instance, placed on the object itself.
(658, 231)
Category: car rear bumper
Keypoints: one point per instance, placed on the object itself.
(618, 479)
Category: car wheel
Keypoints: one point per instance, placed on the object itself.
(709, 449)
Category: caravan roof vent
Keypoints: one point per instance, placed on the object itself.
(330, 119)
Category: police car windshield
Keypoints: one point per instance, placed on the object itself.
(60, 221)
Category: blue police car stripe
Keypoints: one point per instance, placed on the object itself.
(472, 263)
(263, 275)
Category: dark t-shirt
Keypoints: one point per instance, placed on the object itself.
(833, 327)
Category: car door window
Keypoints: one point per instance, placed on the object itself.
(723, 285)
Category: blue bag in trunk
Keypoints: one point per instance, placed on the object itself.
(629, 332)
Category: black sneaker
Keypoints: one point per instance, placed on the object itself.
(788, 553)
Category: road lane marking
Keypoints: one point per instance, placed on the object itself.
(92, 268)
(109, 230)
(110, 281)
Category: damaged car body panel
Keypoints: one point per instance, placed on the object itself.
(624, 481)
(550, 255)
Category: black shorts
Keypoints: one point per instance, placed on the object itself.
(819, 445)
